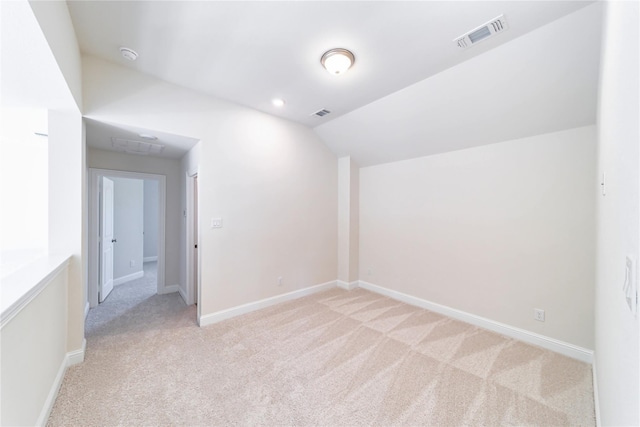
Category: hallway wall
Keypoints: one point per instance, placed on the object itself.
(128, 227)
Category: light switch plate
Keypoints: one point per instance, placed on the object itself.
(216, 222)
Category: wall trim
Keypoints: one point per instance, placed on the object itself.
(53, 393)
(76, 357)
(70, 359)
(347, 285)
(169, 289)
(596, 398)
(22, 287)
(210, 319)
(183, 295)
(150, 258)
(86, 310)
(564, 348)
(129, 277)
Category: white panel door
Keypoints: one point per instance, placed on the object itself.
(107, 239)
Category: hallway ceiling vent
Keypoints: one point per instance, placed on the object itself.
(483, 32)
(136, 147)
(321, 113)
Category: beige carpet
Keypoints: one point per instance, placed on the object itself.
(335, 358)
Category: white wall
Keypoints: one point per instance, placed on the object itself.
(494, 231)
(102, 159)
(150, 219)
(348, 220)
(33, 355)
(23, 231)
(273, 182)
(128, 226)
(67, 211)
(616, 330)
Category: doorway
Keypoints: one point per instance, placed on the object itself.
(104, 260)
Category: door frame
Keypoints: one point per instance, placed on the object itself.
(95, 176)
(106, 215)
(193, 281)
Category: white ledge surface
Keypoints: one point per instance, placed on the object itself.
(17, 290)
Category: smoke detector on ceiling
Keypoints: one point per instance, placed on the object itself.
(129, 54)
(483, 32)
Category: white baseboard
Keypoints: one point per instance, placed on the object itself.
(53, 393)
(150, 258)
(596, 398)
(77, 356)
(552, 344)
(128, 278)
(70, 359)
(347, 285)
(86, 310)
(169, 289)
(210, 319)
(183, 295)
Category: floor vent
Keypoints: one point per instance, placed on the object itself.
(483, 32)
(321, 113)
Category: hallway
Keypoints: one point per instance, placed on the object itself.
(130, 303)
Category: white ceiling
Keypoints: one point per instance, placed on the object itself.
(251, 52)
(544, 81)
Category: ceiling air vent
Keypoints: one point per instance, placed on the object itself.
(483, 32)
(321, 113)
(136, 147)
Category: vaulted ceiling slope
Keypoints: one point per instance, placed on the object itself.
(421, 88)
(544, 81)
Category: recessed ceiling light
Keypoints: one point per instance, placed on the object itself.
(278, 102)
(337, 61)
(147, 136)
(129, 54)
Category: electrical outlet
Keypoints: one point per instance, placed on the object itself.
(279, 280)
(538, 314)
(132, 263)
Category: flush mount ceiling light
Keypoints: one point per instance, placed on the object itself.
(278, 102)
(129, 54)
(337, 61)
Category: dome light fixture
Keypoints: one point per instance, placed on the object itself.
(337, 61)
(278, 102)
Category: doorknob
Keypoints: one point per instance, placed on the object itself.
(113, 240)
